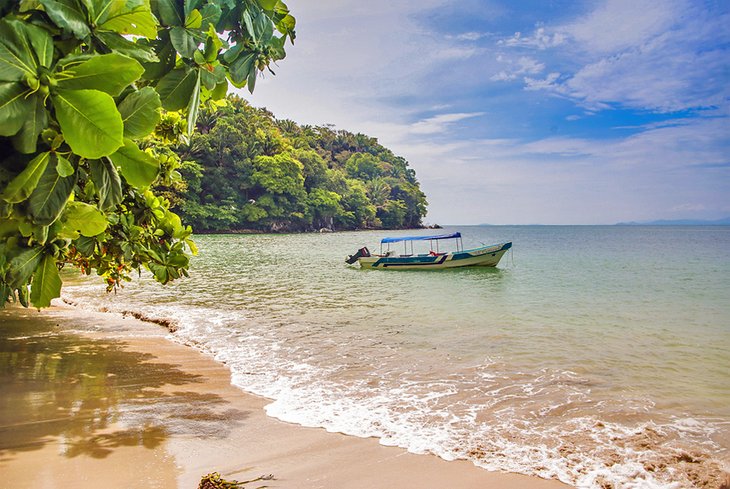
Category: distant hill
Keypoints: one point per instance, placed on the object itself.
(679, 222)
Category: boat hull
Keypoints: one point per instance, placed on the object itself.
(487, 256)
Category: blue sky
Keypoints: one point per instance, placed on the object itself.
(551, 112)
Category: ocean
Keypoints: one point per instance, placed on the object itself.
(596, 355)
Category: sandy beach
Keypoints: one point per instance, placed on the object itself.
(94, 399)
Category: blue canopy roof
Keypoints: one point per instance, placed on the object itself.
(396, 239)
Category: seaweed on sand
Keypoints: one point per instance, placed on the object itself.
(215, 481)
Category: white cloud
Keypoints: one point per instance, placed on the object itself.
(660, 76)
(529, 65)
(348, 56)
(470, 36)
(549, 82)
(613, 26)
(524, 65)
(440, 123)
(622, 24)
(540, 39)
(639, 54)
(503, 76)
(453, 52)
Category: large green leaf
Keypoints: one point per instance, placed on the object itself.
(8, 227)
(268, 4)
(96, 9)
(213, 43)
(242, 67)
(220, 90)
(22, 266)
(212, 78)
(252, 79)
(22, 47)
(15, 107)
(26, 140)
(262, 27)
(276, 48)
(183, 41)
(42, 44)
(190, 6)
(286, 26)
(140, 112)
(230, 55)
(176, 88)
(194, 105)
(118, 43)
(90, 122)
(12, 67)
(23, 185)
(138, 168)
(137, 21)
(193, 19)
(68, 15)
(23, 295)
(46, 283)
(109, 73)
(50, 195)
(166, 55)
(108, 184)
(63, 166)
(210, 13)
(248, 22)
(85, 245)
(168, 11)
(82, 219)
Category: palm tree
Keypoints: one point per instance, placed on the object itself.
(378, 192)
(288, 127)
(206, 120)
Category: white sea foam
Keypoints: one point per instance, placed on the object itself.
(418, 415)
(406, 417)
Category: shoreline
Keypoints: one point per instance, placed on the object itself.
(98, 398)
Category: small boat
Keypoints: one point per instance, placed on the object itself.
(485, 256)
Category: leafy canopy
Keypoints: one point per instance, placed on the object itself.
(88, 90)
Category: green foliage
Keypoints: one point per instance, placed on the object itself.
(247, 170)
(278, 174)
(86, 166)
(365, 166)
(393, 214)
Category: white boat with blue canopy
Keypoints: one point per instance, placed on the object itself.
(389, 259)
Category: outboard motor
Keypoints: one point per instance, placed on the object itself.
(353, 258)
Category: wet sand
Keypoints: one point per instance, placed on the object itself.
(96, 400)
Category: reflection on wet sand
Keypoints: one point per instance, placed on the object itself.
(85, 397)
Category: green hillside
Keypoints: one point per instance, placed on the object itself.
(245, 170)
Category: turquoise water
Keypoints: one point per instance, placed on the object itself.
(598, 355)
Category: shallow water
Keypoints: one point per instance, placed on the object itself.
(599, 355)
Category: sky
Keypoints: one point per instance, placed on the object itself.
(526, 112)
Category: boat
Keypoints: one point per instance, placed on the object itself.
(485, 256)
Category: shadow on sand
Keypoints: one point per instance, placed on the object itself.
(92, 396)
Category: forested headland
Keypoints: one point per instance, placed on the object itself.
(245, 170)
(114, 124)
